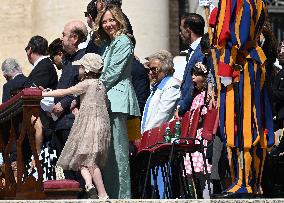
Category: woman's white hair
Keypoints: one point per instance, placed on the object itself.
(166, 59)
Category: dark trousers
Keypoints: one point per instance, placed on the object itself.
(60, 139)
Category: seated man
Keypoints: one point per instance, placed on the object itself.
(43, 74)
(14, 76)
(12, 72)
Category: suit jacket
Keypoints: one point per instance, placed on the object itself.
(278, 95)
(141, 83)
(94, 48)
(69, 78)
(43, 74)
(186, 86)
(116, 76)
(11, 85)
(161, 104)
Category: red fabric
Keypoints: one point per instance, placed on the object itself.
(24, 93)
(213, 17)
(194, 123)
(224, 70)
(225, 33)
(209, 124)
(60, 184)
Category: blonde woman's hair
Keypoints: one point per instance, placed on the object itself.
(117, 14)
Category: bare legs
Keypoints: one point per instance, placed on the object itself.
(94, 174)
(38, 133)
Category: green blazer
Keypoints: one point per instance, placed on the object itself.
(116, 76)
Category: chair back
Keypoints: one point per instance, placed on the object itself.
(209, 124)
(184, 124)
(144, 140)
(160, 138)
(153, 136)
(194, 123)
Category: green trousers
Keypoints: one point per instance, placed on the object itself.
(116, 172)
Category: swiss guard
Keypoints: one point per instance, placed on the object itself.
(244, 108)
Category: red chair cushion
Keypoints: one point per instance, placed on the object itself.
(27, 92)
(60, 184)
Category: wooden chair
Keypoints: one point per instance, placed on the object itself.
(15, 115)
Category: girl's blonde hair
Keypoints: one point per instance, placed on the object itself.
(117, 14)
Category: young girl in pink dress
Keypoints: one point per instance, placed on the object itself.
(199, 76)
(87, 146)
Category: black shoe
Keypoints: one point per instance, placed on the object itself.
(217, 189)
(231, 195)
(278, 149)
(92, 193)
(225, 195)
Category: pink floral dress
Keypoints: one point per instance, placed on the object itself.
(197, 158)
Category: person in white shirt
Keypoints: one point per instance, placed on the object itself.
(165, 91)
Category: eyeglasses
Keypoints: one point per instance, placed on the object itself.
(86, 14)
(154, 70)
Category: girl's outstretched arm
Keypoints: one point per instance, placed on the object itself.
(57, 93)
(76, 90)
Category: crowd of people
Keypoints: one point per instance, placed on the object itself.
(103, 86)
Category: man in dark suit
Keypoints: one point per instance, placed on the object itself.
(141, 83)
(91, 15)
(43, 72)
(278, 101)
(191, 31)
(14, 76)
(74, 33)
(15, 80)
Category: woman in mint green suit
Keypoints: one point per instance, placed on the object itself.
(116, 76)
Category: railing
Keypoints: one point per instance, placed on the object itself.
(16, 129)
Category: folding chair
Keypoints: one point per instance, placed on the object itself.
(209, 124)
(187, 143)
(161, 152)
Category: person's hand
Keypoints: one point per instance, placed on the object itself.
(44, 90)
(212, 103)
(75, 111)
(41, 88)
(73, 104)
(176, 114)
(57, 109)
